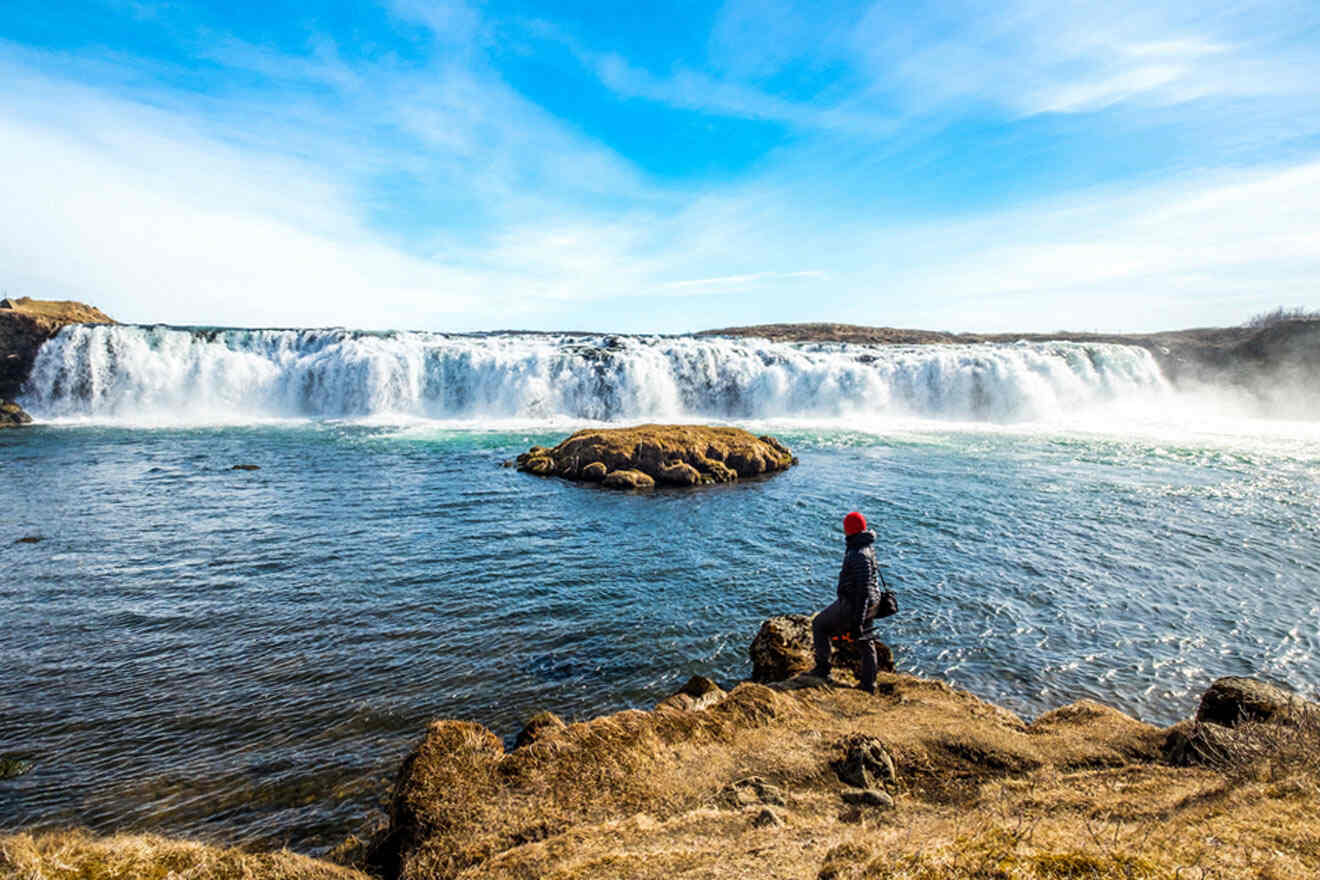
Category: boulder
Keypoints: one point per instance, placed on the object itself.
(751, 791)
(538, 726)
(717, 470)
(868, 797)
(866, 763)
(628, 479)
(673, 455)
(1231, 701)
(1192, 744)
(12, 415)
(699, 693)
(784, 648)
(13, 766)
(679, 474)
(536, 464)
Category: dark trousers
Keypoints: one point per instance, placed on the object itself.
(836, 620)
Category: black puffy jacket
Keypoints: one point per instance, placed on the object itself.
(858, 587)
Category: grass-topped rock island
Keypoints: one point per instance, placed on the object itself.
(650, 455)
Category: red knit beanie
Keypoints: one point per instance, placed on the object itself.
(854, 523)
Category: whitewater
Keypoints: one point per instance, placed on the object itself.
(247, 655)
(203, 375)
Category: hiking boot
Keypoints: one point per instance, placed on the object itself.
(820, 672)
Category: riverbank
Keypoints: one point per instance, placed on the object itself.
(1244, 355)
(803, 778)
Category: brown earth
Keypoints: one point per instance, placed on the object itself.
(647, 455)
(25, 324)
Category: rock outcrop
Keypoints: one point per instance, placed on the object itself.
(12, 415)
(805, 778)
(25, 324)
(784, 648)
(1244, 722)
(790, 773)
(650, 455)
(1234, 700)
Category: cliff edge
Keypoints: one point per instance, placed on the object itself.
(25, 324)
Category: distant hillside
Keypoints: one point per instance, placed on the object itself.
(1213, 354)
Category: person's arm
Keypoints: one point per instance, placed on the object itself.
(854, 581)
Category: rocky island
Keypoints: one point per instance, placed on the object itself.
(647, 455)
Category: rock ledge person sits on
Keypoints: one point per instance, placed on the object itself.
(854, 611)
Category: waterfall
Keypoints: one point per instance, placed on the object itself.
(181, 374)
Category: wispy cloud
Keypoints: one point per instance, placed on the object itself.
(1024, 57)
(730, 281)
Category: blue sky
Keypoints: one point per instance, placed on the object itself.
(1027, 166)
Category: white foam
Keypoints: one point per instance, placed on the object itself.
(161, 375)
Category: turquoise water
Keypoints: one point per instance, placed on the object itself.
(246, 655)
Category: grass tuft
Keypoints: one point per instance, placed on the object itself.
(77, 855)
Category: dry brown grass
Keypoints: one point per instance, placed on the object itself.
(64, 311)
(1080, 793)
(76, 855)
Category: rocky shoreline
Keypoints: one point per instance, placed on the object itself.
(788, 775)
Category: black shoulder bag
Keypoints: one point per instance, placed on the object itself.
(888, 603)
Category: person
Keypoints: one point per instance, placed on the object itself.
(853, 612)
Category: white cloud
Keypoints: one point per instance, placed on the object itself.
(258, 208)
(1183, 254)
(1030, 56)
